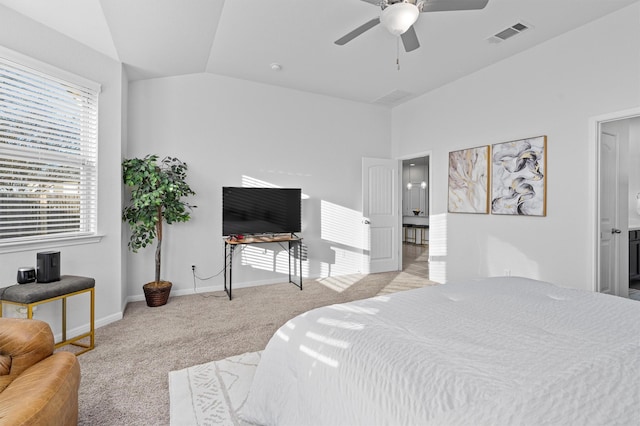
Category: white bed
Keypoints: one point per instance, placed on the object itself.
(496, 351)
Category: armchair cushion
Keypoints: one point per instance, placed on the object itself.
(37, 387)
(22, 344)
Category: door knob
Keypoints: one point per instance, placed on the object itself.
(615, 231)
(366, 222)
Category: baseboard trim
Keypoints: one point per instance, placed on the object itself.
(85, 328)
(208, 289)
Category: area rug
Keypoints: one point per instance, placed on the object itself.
(211, 393)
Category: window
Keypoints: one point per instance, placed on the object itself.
(48, 154)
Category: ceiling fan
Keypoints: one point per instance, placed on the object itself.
(398, 17)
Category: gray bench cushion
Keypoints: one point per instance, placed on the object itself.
(35, 292)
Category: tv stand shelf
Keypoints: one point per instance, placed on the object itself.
(230, 245)
(255, 239)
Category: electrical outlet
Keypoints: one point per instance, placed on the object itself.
(193, 267)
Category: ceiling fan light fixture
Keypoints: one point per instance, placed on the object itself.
(399, 17)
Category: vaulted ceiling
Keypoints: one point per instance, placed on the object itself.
(243, 38)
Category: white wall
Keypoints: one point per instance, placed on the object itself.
(123, 229)
(552, 89)
(229, 131)
(101, 261)
(226, 129)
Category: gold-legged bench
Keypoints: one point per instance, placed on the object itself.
(33, 294)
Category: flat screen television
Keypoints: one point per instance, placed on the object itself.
(261, 210)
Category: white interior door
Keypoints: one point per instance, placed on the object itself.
(381, 214)
(609, 279)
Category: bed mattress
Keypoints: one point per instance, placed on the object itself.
(495, 351)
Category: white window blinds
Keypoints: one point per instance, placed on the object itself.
(48, 156)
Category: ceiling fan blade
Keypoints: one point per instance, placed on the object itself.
(355, 33)
(410, 39)
(448, 5)
(375, 2)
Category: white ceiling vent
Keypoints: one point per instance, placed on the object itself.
(507, 33)
(393, 98)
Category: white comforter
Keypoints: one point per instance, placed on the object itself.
(498, 351)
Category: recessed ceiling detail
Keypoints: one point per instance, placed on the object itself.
(393, 98)
(241, 38)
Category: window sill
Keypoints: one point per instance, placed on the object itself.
(49, 244)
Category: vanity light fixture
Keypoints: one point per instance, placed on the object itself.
(410, 185)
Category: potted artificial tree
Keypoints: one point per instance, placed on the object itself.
(157, 189)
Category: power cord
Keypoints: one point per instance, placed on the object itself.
(226, 262)
(195, 276)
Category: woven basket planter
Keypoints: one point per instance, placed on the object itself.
(157, 294)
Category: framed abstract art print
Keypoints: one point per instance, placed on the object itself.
(518, 177)
(469, 180)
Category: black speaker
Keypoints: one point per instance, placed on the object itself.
(26, 274)
(48, 266)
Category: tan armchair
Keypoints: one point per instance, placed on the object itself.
(37, 387)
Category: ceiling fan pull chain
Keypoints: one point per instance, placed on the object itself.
(398, 52)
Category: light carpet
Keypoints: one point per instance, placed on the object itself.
(212, 393)
(125, 379)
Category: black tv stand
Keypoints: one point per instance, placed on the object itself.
(230, 245)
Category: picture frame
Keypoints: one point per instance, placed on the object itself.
(469, 180)
(518, 177)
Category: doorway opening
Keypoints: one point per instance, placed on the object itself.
(617, 204)
(415, 202)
